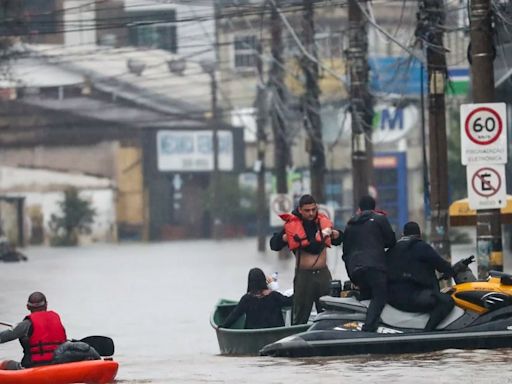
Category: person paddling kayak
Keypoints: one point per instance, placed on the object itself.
(40, 333)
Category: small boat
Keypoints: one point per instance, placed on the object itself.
(240, 341)
(90, 371)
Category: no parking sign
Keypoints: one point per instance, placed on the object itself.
(486, 186)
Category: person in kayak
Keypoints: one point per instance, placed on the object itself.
(412, 282)
(261, 305)
(307, 233)
(40, 333)
(366, 237)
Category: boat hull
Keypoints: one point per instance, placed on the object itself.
(91, 372)
(343, 343)
(240, 341)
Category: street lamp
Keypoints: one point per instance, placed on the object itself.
(209, 67)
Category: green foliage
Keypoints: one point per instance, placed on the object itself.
(236, 205)
(76, 217)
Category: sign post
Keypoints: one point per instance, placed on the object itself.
(484, 152)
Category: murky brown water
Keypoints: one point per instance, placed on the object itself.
(155, 300)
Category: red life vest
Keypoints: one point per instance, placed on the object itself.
(47, 334)
(296, 234)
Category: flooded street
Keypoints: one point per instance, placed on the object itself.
(154, 300)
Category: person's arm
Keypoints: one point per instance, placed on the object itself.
(235, 314)
(284, 301)
(19, 331)
(387, 232)
(430, 256)
(337, 237)
(277, 241)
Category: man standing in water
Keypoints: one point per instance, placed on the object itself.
(307, 233)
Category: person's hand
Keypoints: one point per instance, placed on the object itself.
(285, 238)
(269, 279)
(326, 232)
(335, 234)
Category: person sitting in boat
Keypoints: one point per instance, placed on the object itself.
(40, 333)
(412, 282)
(307, 233)
(261, 305)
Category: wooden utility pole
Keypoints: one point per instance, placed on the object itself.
(278, 97)
(311, 106)
(488, 221)
(261, 137)
(432, 18)
(360, 100)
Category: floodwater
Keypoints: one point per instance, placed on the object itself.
(154, 300)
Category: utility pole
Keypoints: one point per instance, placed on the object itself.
(276, 80)
(488, 221)
(360, 100)
(261, 121)
(431, 23)
(311, 106)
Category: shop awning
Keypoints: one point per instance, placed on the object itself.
(461, 214)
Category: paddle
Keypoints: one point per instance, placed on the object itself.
(102, 344)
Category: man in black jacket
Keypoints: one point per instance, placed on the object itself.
(412, 282)
(366, 237)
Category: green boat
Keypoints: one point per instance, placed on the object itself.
(240, 341)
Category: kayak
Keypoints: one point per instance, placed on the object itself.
(240, 341)
(91, 372)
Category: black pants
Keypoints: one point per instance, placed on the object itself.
(372, 285)
(413, 298)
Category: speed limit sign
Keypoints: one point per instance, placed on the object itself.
(483, 133)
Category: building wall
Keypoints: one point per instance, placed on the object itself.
(96, 159)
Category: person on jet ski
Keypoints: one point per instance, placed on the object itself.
(367, 235)
(412, 282)
(307, 233)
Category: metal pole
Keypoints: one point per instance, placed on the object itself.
(216, 221)
(434, 17)
(360, 100)
(261, 121)
(311, 106)
(488, 222)
(276, 80)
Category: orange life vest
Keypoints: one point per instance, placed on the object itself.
(296, 234)
(47, 334)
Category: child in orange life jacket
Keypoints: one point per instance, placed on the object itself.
(307, 233)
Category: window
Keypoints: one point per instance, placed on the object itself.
(245, 51)
(153, 30)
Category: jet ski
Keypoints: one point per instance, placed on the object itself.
(481, 319)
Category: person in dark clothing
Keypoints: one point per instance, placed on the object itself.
(40, 334)
(307, 233)
(412, 282)
(262, 306)
(366, 237)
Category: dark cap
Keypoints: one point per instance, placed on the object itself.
(411, 228)
(367, 203)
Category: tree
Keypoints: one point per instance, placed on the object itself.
(76, 217)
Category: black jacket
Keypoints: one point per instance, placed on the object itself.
(413, 260)
(315, 248)
(366, 236)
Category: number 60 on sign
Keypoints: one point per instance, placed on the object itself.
(483, 133)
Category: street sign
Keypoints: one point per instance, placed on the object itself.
(486, 186)
(483, 129)
(279, 203)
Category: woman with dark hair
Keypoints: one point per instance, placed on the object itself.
(262, 306)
